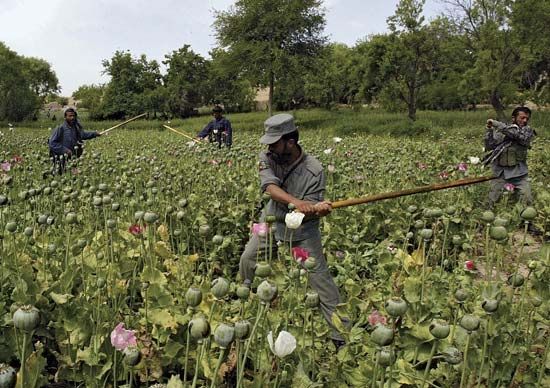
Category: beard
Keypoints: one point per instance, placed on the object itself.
(280, 159)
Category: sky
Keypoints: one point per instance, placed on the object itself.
(75, 36)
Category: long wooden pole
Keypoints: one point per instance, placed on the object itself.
(416, 190)
(121, 124)
(180, 133)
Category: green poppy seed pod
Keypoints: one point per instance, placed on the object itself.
(111, 224)
(469, 322)
(243, 292)
(532, 265)
(487, 216)
(435, 212)
(224, 335)
(498, 233)
(490, 305)
(51, 248)
(138, 216)
(242, 330)
(291, 206)
(409, 235)
(411, 209)
(386, 358)
(270, 219)
(419, 224)
(26, 318)
(204, 230)
(100, 282)
(536, 301)
(310, 263)
(103, 187)
(452, 355)
(193, 297)
(81, 243)
(461, 295)
(396, 307)
(382, 335)
(294, 273)
(96, 201)
(71, 218)
(180, 215)
(50, 220)
(150, 217)
(500, 221)
(266, 197)
(457, 240)
(182, 203)
(312, 300)
(11, 227)
(42, 219)
(177, 232)
(3, 200)
(528, 214)
(217, 239)
(440, 329)
(220, 287)
(262, 270)
(426, 234)
(7, 376)
(106, 200)
(450, 210)
(516, 280)
(132, 356)
(28, 231)
(199, 328)
(266, 291)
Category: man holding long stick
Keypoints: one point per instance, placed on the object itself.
(290, 176)
(66, 140)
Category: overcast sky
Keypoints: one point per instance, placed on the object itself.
(74, 36)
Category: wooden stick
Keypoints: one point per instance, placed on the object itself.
(416, 190)
(121, 124)
(180, 133)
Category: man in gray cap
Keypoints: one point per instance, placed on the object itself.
(291, 177)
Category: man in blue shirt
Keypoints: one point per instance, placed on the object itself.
(67, 139)
(218, 130)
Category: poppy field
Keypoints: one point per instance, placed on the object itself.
(123, 271)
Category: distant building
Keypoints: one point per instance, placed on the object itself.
(262, 99)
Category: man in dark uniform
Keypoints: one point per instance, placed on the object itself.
(218, 130)
(290, 176)
(67, 139)
(509, 144)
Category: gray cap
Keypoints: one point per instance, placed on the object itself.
(277, 126)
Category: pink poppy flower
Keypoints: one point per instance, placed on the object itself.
(375, 318)
(5, 166)
(509, 187)
(229, 163)
(136, 229)
(17, 159)
(422, 166)
(213, 162)
(300, 254)
(444, 175)
(122, 338)
(260, 229)
(469, 265)
(462, 166)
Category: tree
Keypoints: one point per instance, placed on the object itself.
(90, 98)
(131, 78)
(17, 99)
(409, 60)
(271, 38)
(186, 80)
(42, 79)
(486, 27)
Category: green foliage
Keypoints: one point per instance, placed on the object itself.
(90, 98)
(269, 39)
(24, 84)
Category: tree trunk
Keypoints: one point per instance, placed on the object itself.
(411, 104)
(497, 105)
(270, 99)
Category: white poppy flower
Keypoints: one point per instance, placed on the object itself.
(294, 220)
(284, 344)
(328, 151)
(336, 139)
(473, 159)
(190, 144)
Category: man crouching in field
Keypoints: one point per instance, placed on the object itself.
(290, 176)
(67, 139)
